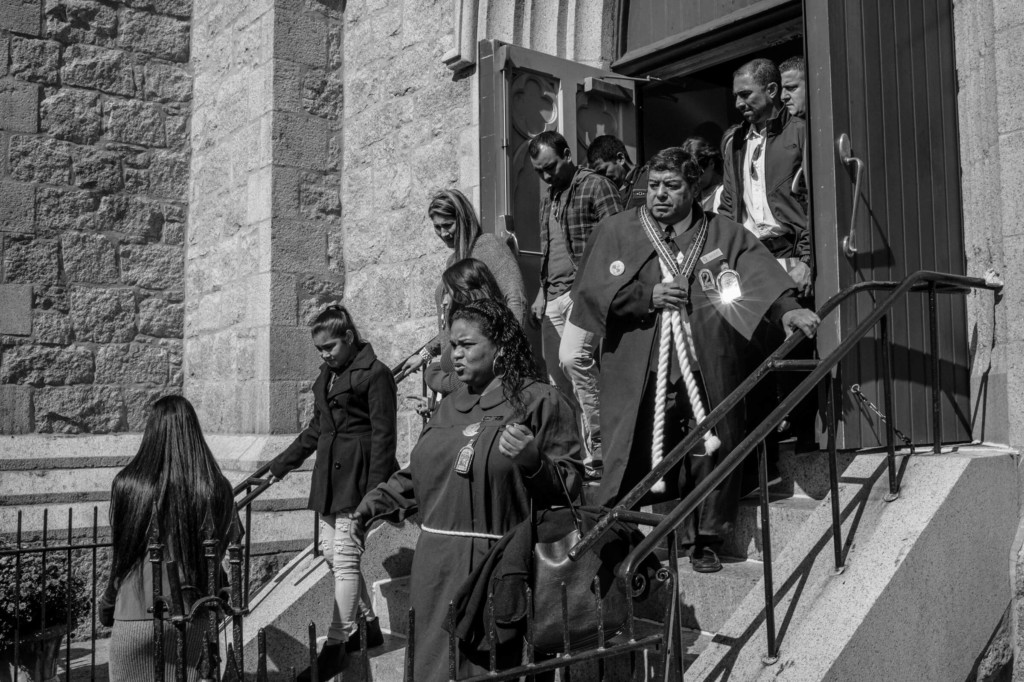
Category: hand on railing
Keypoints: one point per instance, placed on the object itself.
(801, 319)
(420, 403)
(411, 364)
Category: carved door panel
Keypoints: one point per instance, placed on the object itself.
(523, 93)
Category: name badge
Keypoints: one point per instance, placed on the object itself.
(708, 257)
(707, 280)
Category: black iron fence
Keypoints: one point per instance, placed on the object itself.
(48, 592)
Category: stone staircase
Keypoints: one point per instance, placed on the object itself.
(722, 613)
(708, 600)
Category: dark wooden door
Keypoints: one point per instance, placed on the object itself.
(883, 73)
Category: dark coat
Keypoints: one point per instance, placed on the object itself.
(352, 432)
(783, 158)
(618, 307)
(487, 502)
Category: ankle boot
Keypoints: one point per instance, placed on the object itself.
(374, 637)
(331, 660)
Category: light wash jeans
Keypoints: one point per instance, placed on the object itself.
(576, 358)
(350, 595)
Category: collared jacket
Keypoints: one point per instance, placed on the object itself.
(589, 199)
(634, 188)
(352, 432)
(784, 157)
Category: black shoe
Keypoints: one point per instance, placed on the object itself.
(331, 660)
(704, 560)
(374, 637)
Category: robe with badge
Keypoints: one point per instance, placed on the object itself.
(463, 515)
(612, 297)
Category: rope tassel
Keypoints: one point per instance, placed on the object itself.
(671, 332)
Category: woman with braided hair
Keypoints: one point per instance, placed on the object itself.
(496, 445)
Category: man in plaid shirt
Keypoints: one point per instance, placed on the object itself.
(577, 200)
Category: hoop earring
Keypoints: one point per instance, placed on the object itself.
(494, 365)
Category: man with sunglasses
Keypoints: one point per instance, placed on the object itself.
(765, 186)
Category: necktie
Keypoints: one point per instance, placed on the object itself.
(670, 239)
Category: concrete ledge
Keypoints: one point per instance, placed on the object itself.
(234, 452)
(925, 582)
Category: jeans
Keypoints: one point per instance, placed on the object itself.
(350, 595)
(576, 358)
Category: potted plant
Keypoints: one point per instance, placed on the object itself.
(58, 592)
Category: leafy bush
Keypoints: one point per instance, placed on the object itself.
(64, 595)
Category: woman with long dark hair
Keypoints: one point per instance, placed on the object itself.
(496, 445)
(175, 475)
(456, 224)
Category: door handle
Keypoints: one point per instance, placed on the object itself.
(508, 226)
(844, 148)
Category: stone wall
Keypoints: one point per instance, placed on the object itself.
(94, 112)
(989, 37)
(264, 242)
(408, 129)
(989, 53)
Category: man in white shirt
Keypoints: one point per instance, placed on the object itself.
(765, 184)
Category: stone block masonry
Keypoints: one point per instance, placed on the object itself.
(404, 117)
(94, 103)
(265, 209)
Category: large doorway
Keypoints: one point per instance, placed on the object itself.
(698, 103)
(880, 72)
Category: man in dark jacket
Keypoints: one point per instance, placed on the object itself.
(765, 188)
(608, 156)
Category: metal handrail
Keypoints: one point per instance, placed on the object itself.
(924, 280)
(917, 282)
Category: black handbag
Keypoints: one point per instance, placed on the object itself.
(552, 568)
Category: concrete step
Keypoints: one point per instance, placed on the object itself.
(709, 599)
(786, 515)
(803, 474)
(388, 665)
(806, 473)
(43, 486)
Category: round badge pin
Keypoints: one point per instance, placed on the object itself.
(616, 268)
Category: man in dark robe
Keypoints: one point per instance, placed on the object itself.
(620, 295)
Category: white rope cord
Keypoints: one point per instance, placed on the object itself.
(460, 533)
(672, 330)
